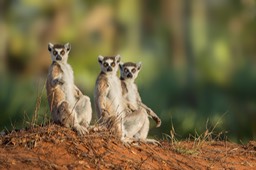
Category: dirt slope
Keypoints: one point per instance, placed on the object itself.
(55, 147)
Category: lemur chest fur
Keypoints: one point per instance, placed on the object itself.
(115, 91)
(67, 75)
(132, 93)
(68, 85)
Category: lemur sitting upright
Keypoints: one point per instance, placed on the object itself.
(109, 102)
(68, 105)
(108, 93)
(136, 124)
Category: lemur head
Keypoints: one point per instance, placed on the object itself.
(59, 52)
(109, 65)
(129, 70)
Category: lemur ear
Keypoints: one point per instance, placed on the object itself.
(67, 46)
(118, 58)
(121, 64)
(100, 58)
(138, 65)
(50, 46)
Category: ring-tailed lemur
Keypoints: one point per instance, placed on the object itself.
(109, 101)
(136, 124)
(68, 105)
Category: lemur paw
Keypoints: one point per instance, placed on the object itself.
(98, 128)
(127, 142)
(105, 113)
(132, 108)
(152, 141)
(81, 130)
(56, 82)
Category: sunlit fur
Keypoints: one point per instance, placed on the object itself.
(108, 93)
(136, 124)
(68, 105)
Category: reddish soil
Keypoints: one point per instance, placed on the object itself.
(55, 147)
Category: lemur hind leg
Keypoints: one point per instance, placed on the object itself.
(68, 118)
(64, 114)
(133, 122)
(143, 133)
(84, 111)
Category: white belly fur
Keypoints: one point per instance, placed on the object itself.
(68, 85)
(115, 94)
(131, 96)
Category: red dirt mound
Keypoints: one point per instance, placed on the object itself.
(55, 147)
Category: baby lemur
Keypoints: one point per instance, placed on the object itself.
(109, 101)
(136, 124)
(68, 105)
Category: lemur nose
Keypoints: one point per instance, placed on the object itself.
(58, 57)
(109, 69)
(129, 75)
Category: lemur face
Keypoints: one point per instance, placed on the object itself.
(129, 70)
(59, 52)
(109, 64)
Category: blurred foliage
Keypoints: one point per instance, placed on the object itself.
(198, 57)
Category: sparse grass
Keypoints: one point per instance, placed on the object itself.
(183, 150)
(40, 116)
(209, 135)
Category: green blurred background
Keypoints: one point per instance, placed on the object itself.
(199, 58)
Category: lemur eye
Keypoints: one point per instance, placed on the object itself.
(126, 70)
(105, 64)
(54, 52)
(62, 52)
(113, 64)
(133, 70)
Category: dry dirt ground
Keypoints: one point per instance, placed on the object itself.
(55, 147)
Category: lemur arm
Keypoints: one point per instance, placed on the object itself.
(77, 92)
(152, 114)
(130, 106)
(56, 73)
(103, 89)
(149, 111)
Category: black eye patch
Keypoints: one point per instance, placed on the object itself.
(54, 52)
(126, 70)
(113, 64)
(105, 64)
(133, 70)
(62, 52)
